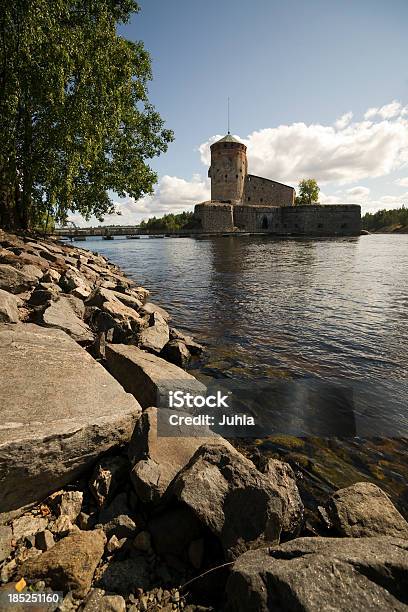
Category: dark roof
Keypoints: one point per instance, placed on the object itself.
(228, 138)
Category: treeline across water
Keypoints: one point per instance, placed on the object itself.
(386, 219)
(169, 223)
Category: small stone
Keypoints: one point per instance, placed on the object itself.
(143, 603)
(112, 603)
(121, 526)
(44, 540)
(92, 601)
(143, 541)
(108, 475)
(70, 504)
(85, 521)
(114, 544)
(27, 525)
(8, 570)
(63, 525)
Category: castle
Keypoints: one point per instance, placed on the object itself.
(247, 203)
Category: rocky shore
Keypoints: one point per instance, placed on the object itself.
(94, 504)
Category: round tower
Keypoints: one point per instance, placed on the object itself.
(228, 169)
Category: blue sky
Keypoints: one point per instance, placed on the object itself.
(302, 76)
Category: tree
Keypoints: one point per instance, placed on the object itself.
(76, 121)
(308, 192)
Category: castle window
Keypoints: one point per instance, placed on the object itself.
(226, 176)
(343, 225)
(261, 199)
(249, 199)
(236, 176)
(320, 225)
(265, 223)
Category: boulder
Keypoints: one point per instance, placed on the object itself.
(156, 336)
(61, 410)
(126, 576)
(41, 296)
(121, 526)
(70, 564)
(193, 346)
(72, 279)
(107, 476)
(151, 308)
(128, 300)
(174, 530)
(16, 281)
(8, 307)
(28, 525)
(51, 276)
(176, 352)
(148, 377)
(61, 315)
(24, 258)
(365, 510)
(157, 460)
(230, 497)
(310, 574)
(283, 480)
(44, 540)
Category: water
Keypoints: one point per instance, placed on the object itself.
(271, 309)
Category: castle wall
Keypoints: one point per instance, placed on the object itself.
(257, 218)
(320, 220)
(261, 191)
(228, 170)
(215, 217)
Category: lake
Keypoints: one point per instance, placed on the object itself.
(330, 313)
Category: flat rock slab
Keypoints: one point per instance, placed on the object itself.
(60, 410)
(319, 574)
(61, 315)
(148, 377)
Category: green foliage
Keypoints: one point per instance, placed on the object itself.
(76, 122)
(308, 193)
(385, 218)
(169, 223)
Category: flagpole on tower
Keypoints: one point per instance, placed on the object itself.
(228, 114)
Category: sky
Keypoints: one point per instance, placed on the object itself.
(318, 89)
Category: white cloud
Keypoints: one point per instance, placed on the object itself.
(388, 111)
(343, 121)
(403, 182)
(358, 151)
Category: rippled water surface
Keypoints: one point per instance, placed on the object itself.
(269, 308)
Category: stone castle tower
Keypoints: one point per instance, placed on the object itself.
(228, 170)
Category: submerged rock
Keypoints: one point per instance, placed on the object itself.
(310, 574)
(365, 510)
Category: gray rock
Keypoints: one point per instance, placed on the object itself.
(5, 542)
(193, 346)
(365, 510)
(44, 540)
(230, 497)
(51, 276)
(16, 281)
(156, 336)
(157, 460)
(176, 352)
(112, 603)
(126, 576)
(114, 544)
(128, 300)
(313, 574)
(61, 315)
(107, 476)
(69, 564)
(8, 307)
(148, 377)
(51, 432)
(283, 480)
(70, 504)
(92, 601)
(121, 526)
(63, 526)
(32, 272)
(81, 292)
(151, 308)
(28, 525)
(72, 279)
